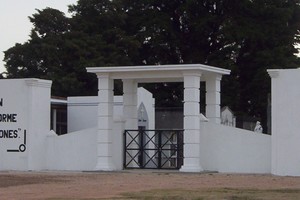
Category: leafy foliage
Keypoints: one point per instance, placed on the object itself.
(245, 36)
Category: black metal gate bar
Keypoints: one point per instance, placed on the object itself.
(153, 149)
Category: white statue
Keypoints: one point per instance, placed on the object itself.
(258, 128)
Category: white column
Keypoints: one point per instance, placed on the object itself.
(275, 143)
(191, 123)
(213, 98)
(105, 123)
(131, 116)
(37, 120)
(130, 104)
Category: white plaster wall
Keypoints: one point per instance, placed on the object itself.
(118, 142)
(233, 150)
(285, 122)
(149, 102)
(78, 150)
(72, 151)
(15, 100)
(82, 114)
(82, 111)
(29, 99)
(38, 123)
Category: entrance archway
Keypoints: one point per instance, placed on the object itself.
(190, 75)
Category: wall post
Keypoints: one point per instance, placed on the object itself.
(191, 123)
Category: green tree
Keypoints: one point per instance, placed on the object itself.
(60, 48)
(245, 36)
(47, 55)
(265, 33)
(179, 32)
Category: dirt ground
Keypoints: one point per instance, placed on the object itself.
(95, 185)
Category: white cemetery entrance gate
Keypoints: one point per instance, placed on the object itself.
(153, 149)
(142, 151)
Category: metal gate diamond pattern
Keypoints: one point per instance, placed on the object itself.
(153, 149)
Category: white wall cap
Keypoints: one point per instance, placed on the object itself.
(31, 82)
(157, 68)
(51, 133)
(38, 82)
(203, 118)
(273, 73)
(58, 101)
(143, 91)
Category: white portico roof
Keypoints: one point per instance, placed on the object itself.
(158, 73)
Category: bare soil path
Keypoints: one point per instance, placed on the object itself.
(97, 185)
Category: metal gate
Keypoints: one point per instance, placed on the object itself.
(153, 149)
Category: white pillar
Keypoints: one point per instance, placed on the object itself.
(213, 98)
(276, 115)
(191, 123)
(105, 123)
(39, 95)
(131, 117)
(130, 104)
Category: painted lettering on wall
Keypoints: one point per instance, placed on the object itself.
(11, 133)
(8, 117)
(8, 133)
(22, 147)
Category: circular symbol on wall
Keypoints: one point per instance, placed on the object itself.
(22, 147)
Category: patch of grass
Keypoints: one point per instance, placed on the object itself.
(216, 194)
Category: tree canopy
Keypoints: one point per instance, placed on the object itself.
(245, 36)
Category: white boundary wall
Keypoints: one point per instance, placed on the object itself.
(228, 149)
(23, 138)
(83, 111)
(26, 142)
(285, 121)
(77, 150)
(72, 151)
(222, 148)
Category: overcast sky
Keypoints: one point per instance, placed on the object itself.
(14, 22)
